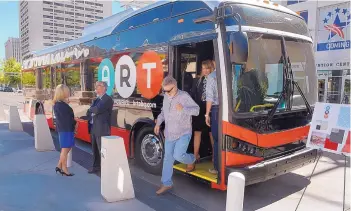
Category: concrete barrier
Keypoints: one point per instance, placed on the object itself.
(235, 192)
(15, 123)
(116, 180)
(69, 159)
(42, 135)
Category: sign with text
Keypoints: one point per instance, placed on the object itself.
(334, 27)
(330, 128)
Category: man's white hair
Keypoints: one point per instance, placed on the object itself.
(102, 83)
(169, 80)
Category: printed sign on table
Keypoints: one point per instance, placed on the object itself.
(330, 128)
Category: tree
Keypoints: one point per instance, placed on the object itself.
(28, 79)
(11, 70)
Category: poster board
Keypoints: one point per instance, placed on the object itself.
(330, 128)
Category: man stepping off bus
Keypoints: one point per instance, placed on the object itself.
(177, 111)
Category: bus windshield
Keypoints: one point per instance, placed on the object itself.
(258, 84)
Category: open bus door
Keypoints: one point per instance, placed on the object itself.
(188, 56)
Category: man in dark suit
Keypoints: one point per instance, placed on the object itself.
(99, 122)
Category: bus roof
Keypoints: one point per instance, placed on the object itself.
(108, 25)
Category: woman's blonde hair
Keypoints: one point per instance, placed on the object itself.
(60, 93)
(208, 64)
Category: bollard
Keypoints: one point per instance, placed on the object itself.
(116, 180)
(42, 136)
(235, 192)
(69, 159)
(15, 123)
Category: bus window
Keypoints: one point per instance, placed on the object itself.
(58, 76)
(188, 70)
(260, 80)
(28, 81)
(47, 82)
(71, 75)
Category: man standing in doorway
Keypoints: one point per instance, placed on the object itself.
(177, 111)
(212, 109)
(99, 122)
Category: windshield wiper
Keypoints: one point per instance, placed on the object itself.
(288, 85)
(295, 84)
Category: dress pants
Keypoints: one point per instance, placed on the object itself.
(96, 146)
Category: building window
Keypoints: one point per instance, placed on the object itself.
(100, 5)
(78, 27)
(304, 14)
(80, 8)
(70, 33)
(59, 18)
(70, 13)
(290, 2)
(98, 17)
(88, 2)
(88, 22)
(69, 19)
(48, 24)
(60, 25)
(59, 38)
(47, 2)
(88, 9)
(69, 6)
(79, 21)
(48, 10)
(78, 14)
(59, 11)
(58, 4)
(99, 11)
(69, 26)
(48, 30)
(89, 16)
(47, 37)
(78, 34)
(59, 32)
(48, 44)
(48, 16)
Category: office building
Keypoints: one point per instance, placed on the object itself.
(329, 26)
(47, 23)
(135, 3)
(13, 49)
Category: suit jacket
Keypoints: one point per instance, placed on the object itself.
(64, 116)
(102, 110)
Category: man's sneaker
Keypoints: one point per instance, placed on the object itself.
(213, 171)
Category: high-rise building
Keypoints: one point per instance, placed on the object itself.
(329, 26)
(47, 23)
(13, 49)
(135, 3)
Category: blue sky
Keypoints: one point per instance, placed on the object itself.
(9, 22)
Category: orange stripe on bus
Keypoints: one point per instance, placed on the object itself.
(284, 137)
(265, 140)
(239, 133)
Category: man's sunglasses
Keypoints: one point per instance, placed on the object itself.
(168, 91)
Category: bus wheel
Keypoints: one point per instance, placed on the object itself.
(149, 151)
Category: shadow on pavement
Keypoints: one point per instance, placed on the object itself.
(192, 194)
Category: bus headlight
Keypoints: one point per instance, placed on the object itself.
(239, 146)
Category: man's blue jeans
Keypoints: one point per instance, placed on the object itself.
(175, 150)
(214, 131)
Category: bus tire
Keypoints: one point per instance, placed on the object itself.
(149, 151)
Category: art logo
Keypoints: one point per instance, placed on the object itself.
(335, 21)
(126, 76)
(106, 73)
(326, 112)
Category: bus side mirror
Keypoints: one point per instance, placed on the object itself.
(238, 47)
